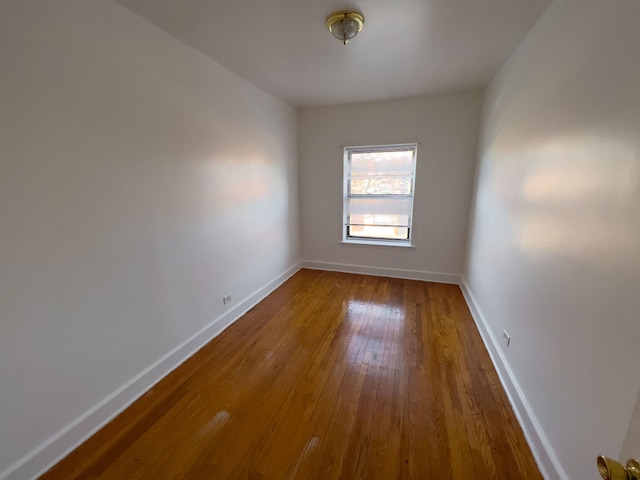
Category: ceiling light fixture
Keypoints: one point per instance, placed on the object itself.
(344, 25)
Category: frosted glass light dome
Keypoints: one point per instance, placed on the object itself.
(345, 25)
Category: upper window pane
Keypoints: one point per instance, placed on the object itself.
(382, 163)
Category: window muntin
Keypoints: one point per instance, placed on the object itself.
(378, 193)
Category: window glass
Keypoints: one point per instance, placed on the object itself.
(378, 197)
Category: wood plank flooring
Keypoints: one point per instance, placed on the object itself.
(333, 376)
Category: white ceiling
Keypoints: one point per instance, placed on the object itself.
(407, 47)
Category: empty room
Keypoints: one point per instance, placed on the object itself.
(319, 240)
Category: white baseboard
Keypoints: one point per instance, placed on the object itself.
(42, 458)
(547, 461)
(384, 272)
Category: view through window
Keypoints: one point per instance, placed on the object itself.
(378, 193)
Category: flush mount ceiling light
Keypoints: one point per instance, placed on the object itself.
(345, 25)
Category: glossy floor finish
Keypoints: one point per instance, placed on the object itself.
(332, 376)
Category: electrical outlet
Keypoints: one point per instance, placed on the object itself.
(226, 299)
(506, 337)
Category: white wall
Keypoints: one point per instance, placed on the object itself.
(139, 183)
(631, 445)
(554, 249)
(446, 127)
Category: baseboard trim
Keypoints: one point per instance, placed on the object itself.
(545, 457)
(42, 458)
(383, 272)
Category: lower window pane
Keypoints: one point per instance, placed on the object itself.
(376, 231)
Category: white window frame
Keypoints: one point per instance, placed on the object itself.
(347, 151)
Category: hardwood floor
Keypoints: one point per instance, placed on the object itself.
(332, 376)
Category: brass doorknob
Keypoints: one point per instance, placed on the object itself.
(609, 469)
(633, 468)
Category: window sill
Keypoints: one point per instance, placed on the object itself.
(377, 243)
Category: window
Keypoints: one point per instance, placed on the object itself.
(378, 193)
